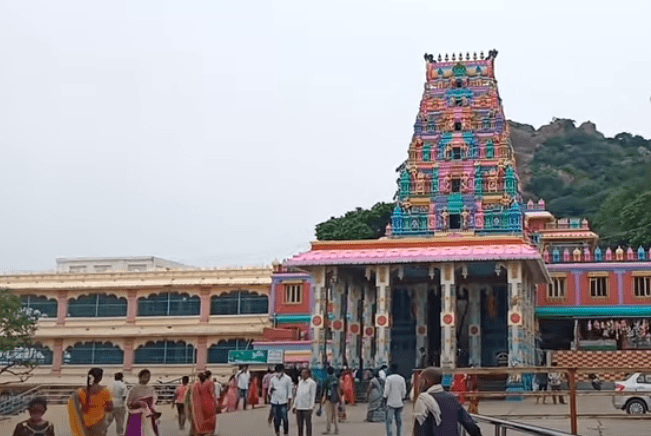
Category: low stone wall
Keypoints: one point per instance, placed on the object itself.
(604, 359)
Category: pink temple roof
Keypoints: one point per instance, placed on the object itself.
(483, 252)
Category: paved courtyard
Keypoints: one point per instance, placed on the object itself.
(253, 422)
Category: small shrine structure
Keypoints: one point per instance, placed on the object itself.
(454, 281)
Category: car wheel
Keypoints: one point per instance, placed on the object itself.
(635, 407)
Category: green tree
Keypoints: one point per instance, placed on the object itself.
(357, 224)
(624, 217)
(17, 327)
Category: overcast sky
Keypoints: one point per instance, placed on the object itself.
(219, 133)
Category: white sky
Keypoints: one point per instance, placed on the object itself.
(220, 132)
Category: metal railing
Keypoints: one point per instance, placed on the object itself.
(14, 404)
(501, 426)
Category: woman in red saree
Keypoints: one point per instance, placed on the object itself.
(232, 395)
(459, 387)
(202, 408)
(348, 387)
(254, 392)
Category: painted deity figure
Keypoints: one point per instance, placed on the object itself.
(465, 215)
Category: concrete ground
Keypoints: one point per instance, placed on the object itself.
(253, 422)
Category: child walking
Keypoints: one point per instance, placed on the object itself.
(35, 425)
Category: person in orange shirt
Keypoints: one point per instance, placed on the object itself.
(88, 406)
(179, 401)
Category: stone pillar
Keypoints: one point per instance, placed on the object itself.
(62, 307)
(354, 327)
(515, 315)
(419, 301)
(204, 311)
(202, 353)
(57, 356)
(474, 326)
(127, 365)
(383, 316)
(368, 325)
(448, 317)
(318, 319)
(337, 294)
(132, 306)
(515, 320)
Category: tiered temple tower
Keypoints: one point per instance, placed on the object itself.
(460, 174)
(454, 282)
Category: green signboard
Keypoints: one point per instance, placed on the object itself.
(246, 357)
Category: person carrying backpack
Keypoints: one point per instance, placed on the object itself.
(331, 397)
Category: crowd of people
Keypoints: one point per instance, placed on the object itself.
(93, 408)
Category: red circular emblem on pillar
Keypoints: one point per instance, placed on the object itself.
(316, 320)
(447, 319)
(337, 324)
(474, 330)
(422, 330)
(369, 331)
(354, 329)
(515, 318)
(382, 320)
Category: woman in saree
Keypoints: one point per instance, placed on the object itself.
(458, 387)
(348, 386)
(232, 397)
(254, 392)
(141, 407)
(88, 406)
(376, 409)
(201, 402)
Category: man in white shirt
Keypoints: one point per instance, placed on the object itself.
(118, 393)
(280, 390)
(395, 389)
(304, 402)
(243, 378)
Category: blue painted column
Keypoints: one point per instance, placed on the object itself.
(354, 328)
(474, 327)
(368, 325)
(419, 300)
(337, 295)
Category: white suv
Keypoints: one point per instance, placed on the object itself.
(634, 404)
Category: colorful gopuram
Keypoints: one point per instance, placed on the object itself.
(454, 282)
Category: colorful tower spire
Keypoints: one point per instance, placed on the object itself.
(460, 174)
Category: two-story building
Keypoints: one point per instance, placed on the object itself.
(597, 309)
(172, 321)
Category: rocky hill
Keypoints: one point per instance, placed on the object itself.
(581, 173)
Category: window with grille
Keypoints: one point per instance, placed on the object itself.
(97, 305)
(41, 306)
(166, 352)
(169, 304)
(557, 288)
(642, 286)
(239, 303)
(93, 353)
(599, 287)
(293, 294)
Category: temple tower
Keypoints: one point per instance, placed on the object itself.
(460, 173)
